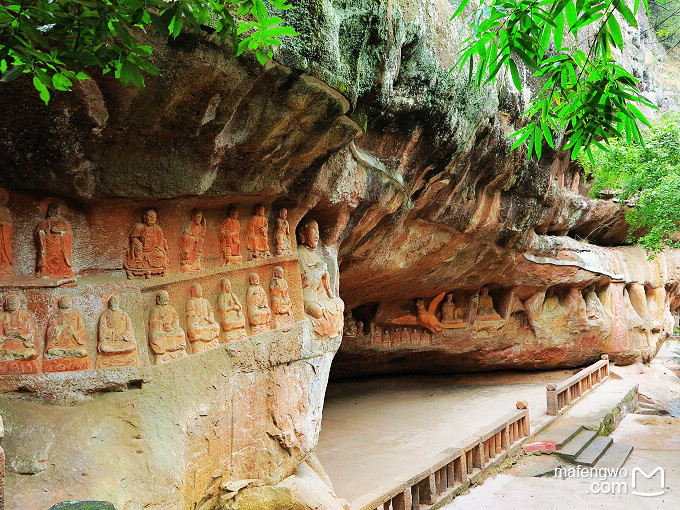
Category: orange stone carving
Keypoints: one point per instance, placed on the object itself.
(283, 241)
(66, 346)
(424, 316)
(6, 260)
(485, 309)
(282, 305)
(230, 312)
(54, 237)
(18, 348)
(452, 314)
(166, 338)
(259, 313)
(230, 238)
(147, 250)
(257, 239)
(202, 328)
(191, 243)
(116, 345)
(324, 309)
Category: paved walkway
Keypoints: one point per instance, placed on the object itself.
(376, 430)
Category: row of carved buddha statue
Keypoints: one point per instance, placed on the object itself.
(146, 253)
(397, 336)
(66, 338)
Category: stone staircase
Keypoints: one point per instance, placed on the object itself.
(579, 445)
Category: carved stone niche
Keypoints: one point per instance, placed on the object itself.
(19, 348)
(259, 313)
(486, 316)
(323, 308)
(202, 328)
(146, 254)
(453, 312)
(230, 313)
(230, 238)
(53, 237)
(167, 339)
(66, 342)
(116, 343)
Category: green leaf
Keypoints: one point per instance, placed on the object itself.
(42, 89)
(515, 74)
(12, 74)
(547, 134)
(626, 13)
(559, 31)
(261, 56)
(61, 82)
(615, 31)
(538, 142)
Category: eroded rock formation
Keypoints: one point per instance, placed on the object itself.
(407, 173)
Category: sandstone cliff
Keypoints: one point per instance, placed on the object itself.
(407, 169)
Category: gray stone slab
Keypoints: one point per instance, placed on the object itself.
(577, 444)
(559, 432)
(615, 456)
(594, 451)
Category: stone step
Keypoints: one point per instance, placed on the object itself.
(560, 433)
(577, 444)
(615, 456)
(594, 451)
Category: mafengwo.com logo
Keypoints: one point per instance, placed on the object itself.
(617, 480)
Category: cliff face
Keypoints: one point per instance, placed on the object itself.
(408, 171)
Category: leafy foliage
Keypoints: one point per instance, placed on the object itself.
(567, 44)
(57, 40)
(647, 177)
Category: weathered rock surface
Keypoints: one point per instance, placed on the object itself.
(409, 173)
(176, 435)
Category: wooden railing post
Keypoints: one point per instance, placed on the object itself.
(551, 395)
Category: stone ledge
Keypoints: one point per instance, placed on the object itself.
(257, 352)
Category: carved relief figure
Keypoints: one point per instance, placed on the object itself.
(116, 345)
(18, 348)
(325, 310)
(230, 238)
(424, 316)
(452, 314)
(259, 313)
(350, 328)
(282, 305)
(485, 309)
(283, 242)
(147, 251)
(202, 328)
(594, 308)
(166, 338)
(230, 312)
(257, 239)
(191, 243)
(377, 336)
(54, 237)
(6, 260)
(66, 346)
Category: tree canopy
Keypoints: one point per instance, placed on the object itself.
(60, 41)
(646, 178)
(567, 45)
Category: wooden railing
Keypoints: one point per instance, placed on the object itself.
(565, 393)
(451, 469)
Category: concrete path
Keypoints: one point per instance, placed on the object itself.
(376, 430)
